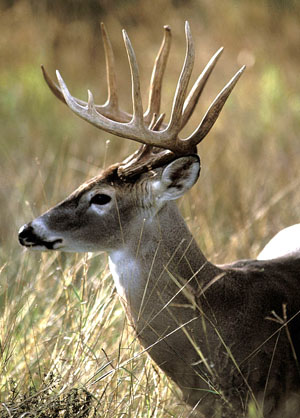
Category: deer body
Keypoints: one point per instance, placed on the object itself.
(225, 334)
(234, 314)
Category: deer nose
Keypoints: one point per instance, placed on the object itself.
(27, 235)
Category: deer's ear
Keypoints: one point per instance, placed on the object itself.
(176, 178)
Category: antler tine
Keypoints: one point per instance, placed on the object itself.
(196, 91)
(52, 86)
(112, 96)
(213, 111)
(174, 125)
(157, 75)
(137, 105)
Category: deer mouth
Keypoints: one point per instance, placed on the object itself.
(49, 245)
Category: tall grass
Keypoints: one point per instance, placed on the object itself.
(65, 346)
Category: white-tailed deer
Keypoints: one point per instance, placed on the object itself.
(225, 334)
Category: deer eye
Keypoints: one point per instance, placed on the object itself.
(100, 199)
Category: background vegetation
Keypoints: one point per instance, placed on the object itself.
(65, 347)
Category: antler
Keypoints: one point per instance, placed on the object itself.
(161, 142)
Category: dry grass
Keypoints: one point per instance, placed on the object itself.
(65, 347)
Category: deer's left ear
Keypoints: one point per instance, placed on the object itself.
(176, 178)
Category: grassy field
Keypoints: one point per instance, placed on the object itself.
(65, 346)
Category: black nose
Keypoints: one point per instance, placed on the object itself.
(27, 235)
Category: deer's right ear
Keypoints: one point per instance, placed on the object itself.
(176, 178)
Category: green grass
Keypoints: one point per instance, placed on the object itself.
(65, 346)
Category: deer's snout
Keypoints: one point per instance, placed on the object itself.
(29, 237)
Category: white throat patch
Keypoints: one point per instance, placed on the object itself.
(125, 271)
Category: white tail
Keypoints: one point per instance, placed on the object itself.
(214, 330)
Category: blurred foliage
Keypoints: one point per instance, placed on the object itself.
(247, 191)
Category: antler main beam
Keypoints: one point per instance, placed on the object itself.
(136, 126)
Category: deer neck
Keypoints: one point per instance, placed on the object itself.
(157, 263)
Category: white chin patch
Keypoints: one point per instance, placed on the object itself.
(55, 245)
(38, 248)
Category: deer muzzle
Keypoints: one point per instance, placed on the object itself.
(29, 237)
